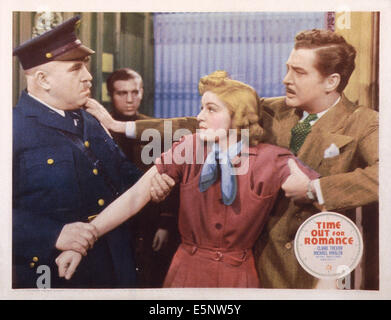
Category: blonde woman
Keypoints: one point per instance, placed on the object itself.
(224, 199)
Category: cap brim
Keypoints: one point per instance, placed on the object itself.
(77, 53)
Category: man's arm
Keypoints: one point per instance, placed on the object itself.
(39, 235)
(39, 232)
(360, 186)
(188, 123)
(134, 129)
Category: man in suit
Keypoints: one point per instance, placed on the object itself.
(341, 144)
(339, 140)
(66, 169)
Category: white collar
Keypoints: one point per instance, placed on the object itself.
(320, 114)
(60, 112)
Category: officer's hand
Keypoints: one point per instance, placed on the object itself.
(161, 186)
(160, 239)
(77, 236)
(67, 263)
(296, 185)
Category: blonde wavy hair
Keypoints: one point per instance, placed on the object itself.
(241, 100)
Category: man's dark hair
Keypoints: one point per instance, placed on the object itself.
(334, 54)
(122, 74)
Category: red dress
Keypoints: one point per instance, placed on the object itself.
(217, 240)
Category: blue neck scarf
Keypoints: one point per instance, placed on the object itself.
(209, 172)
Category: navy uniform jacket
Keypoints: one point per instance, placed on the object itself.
(54, 184)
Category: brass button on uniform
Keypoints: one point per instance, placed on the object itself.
(35, 259)
(288, 245)
(50, 161)
(86, 144)
(101, 202)
(95, 171)
(32, 264)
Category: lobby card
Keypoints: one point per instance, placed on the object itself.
(325, 253)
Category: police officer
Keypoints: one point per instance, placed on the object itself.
(66, 169)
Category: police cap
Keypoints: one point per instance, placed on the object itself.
(58, 44)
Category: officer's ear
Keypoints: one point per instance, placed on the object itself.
(41, 79)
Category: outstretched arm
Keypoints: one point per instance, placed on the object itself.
(126, 206)
(135, 129)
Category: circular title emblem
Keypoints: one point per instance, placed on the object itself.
(328, 245)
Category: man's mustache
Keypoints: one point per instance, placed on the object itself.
(289, 90)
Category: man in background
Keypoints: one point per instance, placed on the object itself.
(125, 87)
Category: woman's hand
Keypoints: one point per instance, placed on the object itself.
(161, 186)
(67, 263)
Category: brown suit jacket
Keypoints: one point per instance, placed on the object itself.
(132, 148)
(190, 124)
(348, 180)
